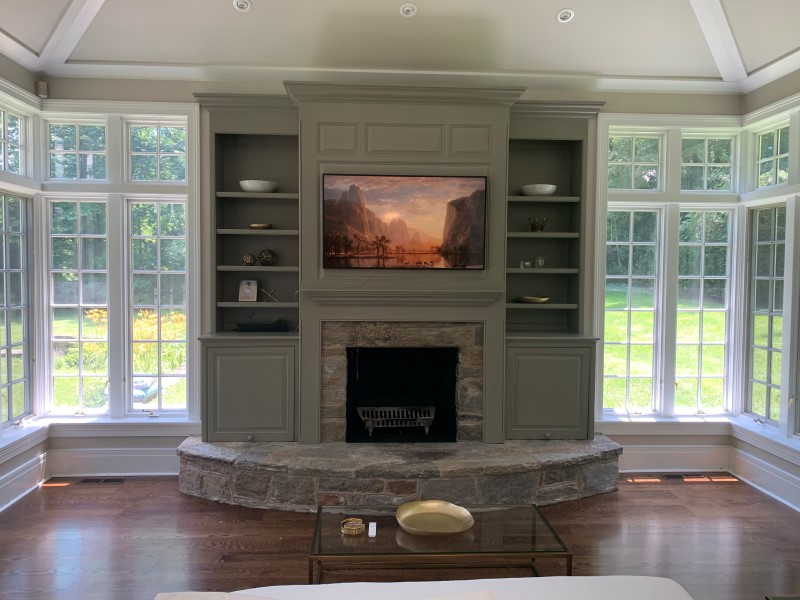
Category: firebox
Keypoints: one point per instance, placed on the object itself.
(401, 394)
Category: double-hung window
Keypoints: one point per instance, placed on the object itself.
(11, 142)
(772, 162)
(77, 151)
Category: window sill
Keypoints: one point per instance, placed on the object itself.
(743, 428)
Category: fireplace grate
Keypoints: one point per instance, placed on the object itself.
(397, 416)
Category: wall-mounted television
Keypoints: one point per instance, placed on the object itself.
(403, 222)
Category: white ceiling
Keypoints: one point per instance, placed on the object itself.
(726, 46)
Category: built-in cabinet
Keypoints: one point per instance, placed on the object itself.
(249, 348)
(550, 387)
(249, 389)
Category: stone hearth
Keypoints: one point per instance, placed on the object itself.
(298, 477)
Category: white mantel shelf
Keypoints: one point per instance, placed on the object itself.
(403, 297)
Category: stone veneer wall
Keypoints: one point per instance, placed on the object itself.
(338, 335)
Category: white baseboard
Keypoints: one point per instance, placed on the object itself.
(22, 480)
(652, 458)
(773, 481)
(112, 461)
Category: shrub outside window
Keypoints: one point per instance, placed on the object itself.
(77, 151)
(773, 157)
(10, 142)
(634, 162)
(157, 152)
(706, 164)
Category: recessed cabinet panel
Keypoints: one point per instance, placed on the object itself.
(405, 139)
(250, 393)
(548, 393)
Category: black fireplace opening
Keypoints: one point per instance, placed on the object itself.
(401, 394)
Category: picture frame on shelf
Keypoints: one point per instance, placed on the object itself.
(248, 290)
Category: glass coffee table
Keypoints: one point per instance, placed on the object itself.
(502, 536)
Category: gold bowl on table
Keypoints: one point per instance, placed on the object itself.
(433, 517)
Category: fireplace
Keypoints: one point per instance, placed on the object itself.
(401, 394)
(463, 341)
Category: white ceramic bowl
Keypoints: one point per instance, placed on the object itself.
(538, 189)
(258, 185)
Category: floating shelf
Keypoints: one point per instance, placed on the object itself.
(542, 271)
(544, 306)
(257, 304)
(248, 231)
(543, 235)
(259, 195)
(546, 199)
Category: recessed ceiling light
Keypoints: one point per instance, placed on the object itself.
(408, 10)
(242, 5)
(565, 15)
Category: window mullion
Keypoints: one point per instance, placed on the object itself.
(117, 316)
(669, 307)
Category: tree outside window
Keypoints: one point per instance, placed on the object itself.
(77, 151)
(707, 164)
(773, 157)
(10, 142)
(157, 153)
(634, 162)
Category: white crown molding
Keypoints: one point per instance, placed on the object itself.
(585, 110)
(642, 121)
(301, 92)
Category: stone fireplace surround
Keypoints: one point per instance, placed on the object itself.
(338, 335)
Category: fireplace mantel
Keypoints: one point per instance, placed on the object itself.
(450, 298)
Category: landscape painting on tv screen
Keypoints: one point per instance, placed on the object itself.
(403, 222)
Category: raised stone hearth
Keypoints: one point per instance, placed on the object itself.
(298, 477)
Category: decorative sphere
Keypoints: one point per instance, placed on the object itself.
(267, 257)
(249, 260)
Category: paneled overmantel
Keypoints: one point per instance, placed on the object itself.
(402, 131)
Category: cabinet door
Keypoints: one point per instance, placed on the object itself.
(249, 394)
(548, 393)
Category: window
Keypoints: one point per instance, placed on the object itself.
(632, 247)
(10, 142)
(157, 152)
(702, 311)
(773, 157)
(767, 248)
(706, 164)
(646, 308)
(158, 304)
(634, 162)
(14, 308)
(79, 306)
(77, 151)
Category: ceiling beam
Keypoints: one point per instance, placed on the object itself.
(719, 37)
(70, 30)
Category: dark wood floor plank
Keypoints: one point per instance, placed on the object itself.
(722, 540)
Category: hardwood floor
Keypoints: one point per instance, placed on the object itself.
(720, 538)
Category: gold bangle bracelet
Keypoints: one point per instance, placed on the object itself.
(353, 526)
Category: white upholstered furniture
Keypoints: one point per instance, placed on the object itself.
(611, 587)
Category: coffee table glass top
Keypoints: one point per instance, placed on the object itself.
(497, 530)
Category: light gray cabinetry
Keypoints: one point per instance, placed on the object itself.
(249, 389)
(550, 388)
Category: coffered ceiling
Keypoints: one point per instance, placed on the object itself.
(637, 45)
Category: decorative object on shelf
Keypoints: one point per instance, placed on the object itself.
(353, 526)
(248, 290)
(538, 189)
(258, 185)
(533, 299)
(260, 226)
(525, 264)
(270, 295)
(279, 325)
(249, 260)
(267, 257)
(539, 261)
(537, 223)
(433, 517)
